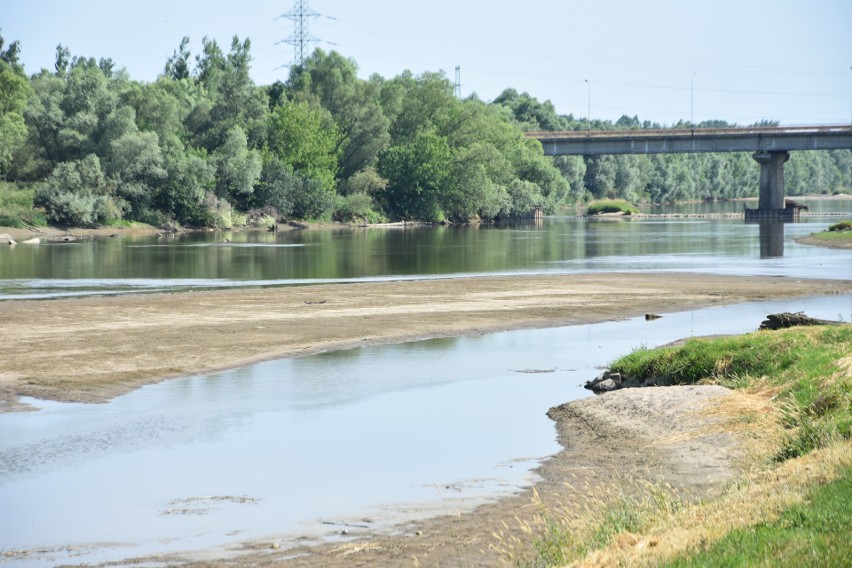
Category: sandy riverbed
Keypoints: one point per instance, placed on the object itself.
(92, 349)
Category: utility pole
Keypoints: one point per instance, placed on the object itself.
(301, 39)
(457, 84)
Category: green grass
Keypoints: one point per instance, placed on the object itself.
(838, 233)
(815, 533)
(803, 364)
(16, 207)
(611, 206)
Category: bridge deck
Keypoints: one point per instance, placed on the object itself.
(663, 141)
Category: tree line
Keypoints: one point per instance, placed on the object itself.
(203, 145)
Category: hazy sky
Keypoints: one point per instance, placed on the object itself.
(663, 60)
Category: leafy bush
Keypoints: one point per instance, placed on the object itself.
(355, 207)
(217, 213)
(841, 226)
(611, 206)
(77, 195)
(16, 207)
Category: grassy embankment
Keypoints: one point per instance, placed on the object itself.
(793, 509)
(839, 232)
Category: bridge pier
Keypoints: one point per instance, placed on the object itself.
(771, 203)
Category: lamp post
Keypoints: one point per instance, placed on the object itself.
(692, 101)
(589, 109)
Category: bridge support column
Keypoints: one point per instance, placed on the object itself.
(771, 203)
(771, 178)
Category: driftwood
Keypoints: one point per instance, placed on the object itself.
(786, 319)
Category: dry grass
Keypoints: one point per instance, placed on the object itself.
(753, 419)
(644, 524)
(760, 497)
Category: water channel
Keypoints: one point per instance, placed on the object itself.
(364, 437)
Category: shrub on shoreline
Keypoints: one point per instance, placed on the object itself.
(16, 207)
(611, 206)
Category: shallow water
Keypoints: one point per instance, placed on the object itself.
(556, 245)
(280, 448)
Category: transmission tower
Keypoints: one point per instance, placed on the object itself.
(301, 39)
(457, 84)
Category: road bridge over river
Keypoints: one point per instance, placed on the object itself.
(770, 147)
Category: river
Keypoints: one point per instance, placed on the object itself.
(310, 446)
(558, 244)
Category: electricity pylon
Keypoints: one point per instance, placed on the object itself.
(301, 39)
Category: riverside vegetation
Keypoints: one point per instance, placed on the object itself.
(793, 509)
(839, 232)
(85, 145)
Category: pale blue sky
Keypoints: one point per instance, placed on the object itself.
(747, 60)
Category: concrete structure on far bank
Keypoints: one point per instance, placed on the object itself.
(770, 147)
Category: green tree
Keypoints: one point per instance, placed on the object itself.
(415, 104)
(177, 66)
(238, 167)
(190, 175)
(135, 164)
(332, 81)
(234, 100)
(14, 92)
(600, 176)
(63, 60)
(529, 113)
(306, 138)
(417, 175)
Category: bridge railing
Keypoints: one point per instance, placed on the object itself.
(690, 132)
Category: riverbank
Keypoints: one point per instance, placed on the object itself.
(95, 348)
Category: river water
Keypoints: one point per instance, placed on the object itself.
(558, 244)
(365, 437)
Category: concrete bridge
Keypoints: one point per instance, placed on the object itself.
(770, 147)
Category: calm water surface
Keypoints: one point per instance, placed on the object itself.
(313, 445)
(558, 244)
